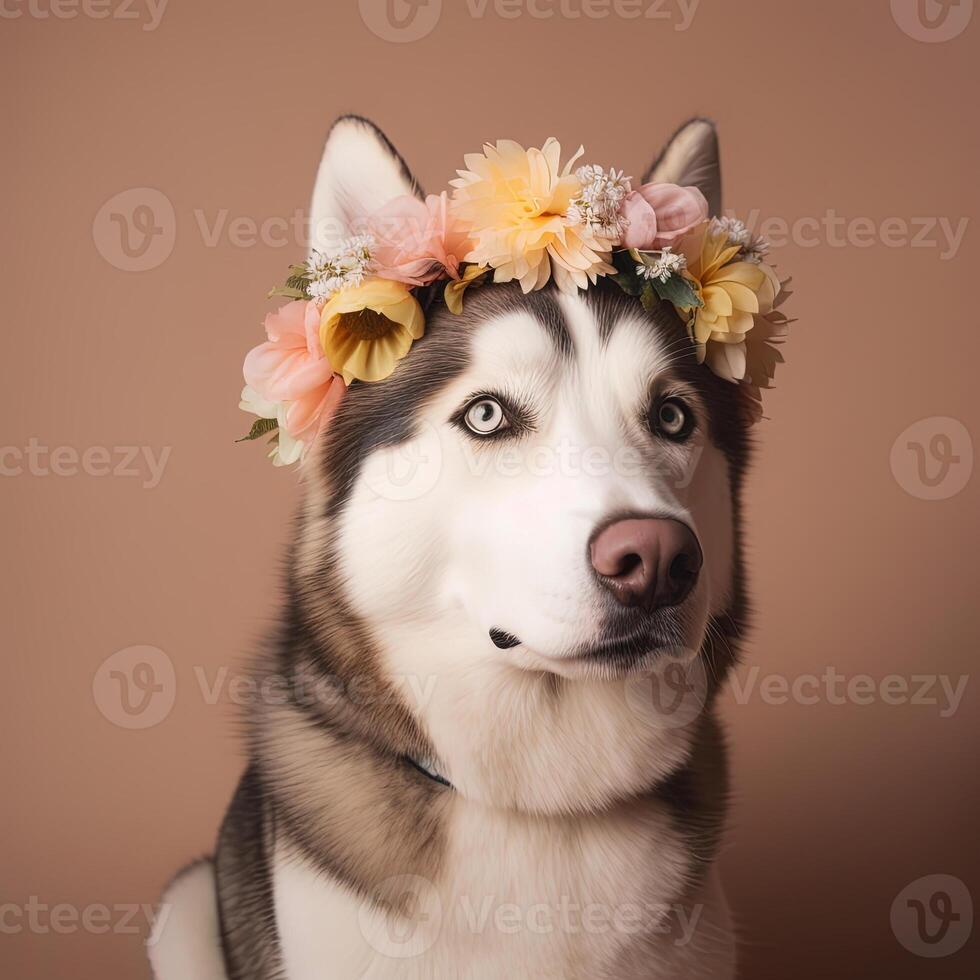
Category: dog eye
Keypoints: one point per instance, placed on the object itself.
(485, 416)
(673, 420)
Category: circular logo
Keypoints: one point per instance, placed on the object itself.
(932, 21)
(400, 20)
(673, 693)
(933, 458)
(136, 229)
(135, 687)
(406, 471)
(411, 922)
(933, 916)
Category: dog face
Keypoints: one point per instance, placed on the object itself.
(570, 419)
(544, 492)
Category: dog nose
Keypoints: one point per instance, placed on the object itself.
(648, 562)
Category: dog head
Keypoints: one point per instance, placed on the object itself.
(536, 509)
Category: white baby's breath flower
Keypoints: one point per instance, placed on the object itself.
(734, 229)
(601, 202)
(756, 250)
(752, 248)
(668, 263)
(341, 268)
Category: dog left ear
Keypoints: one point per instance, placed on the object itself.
(691, 159)
(359, 172)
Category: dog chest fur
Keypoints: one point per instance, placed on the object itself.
(565, 898)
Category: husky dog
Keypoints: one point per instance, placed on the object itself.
(470, 760)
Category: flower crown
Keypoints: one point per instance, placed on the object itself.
(513, 214)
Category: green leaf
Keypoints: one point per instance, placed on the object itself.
(648, 297)
(290, 292)
(626, 277)
(629, 283)
(260, 427)
(677, 290)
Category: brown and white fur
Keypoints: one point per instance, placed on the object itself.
(577, 835)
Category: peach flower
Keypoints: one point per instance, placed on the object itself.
(660, 214)
(516, 203)
(290, 369)
(415, 241)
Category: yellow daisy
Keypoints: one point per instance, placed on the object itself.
(733, 293)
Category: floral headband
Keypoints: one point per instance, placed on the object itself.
(514, 214)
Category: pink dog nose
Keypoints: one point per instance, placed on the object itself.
(648, 562)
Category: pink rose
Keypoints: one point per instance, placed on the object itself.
(290, 367)
(660, 214)
(415, 241)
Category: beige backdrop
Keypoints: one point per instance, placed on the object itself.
(848, 130)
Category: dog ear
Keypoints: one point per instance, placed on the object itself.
(691, 159)
(360, 171)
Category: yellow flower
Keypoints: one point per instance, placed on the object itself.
(513, 203)
(733, 293)
(367, 329)
(455, 288)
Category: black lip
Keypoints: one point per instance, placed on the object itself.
(631, 649)
(503, 640)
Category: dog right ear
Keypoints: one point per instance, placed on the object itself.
(359, 172)
(691, 159)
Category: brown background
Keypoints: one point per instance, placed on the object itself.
(821, 106)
